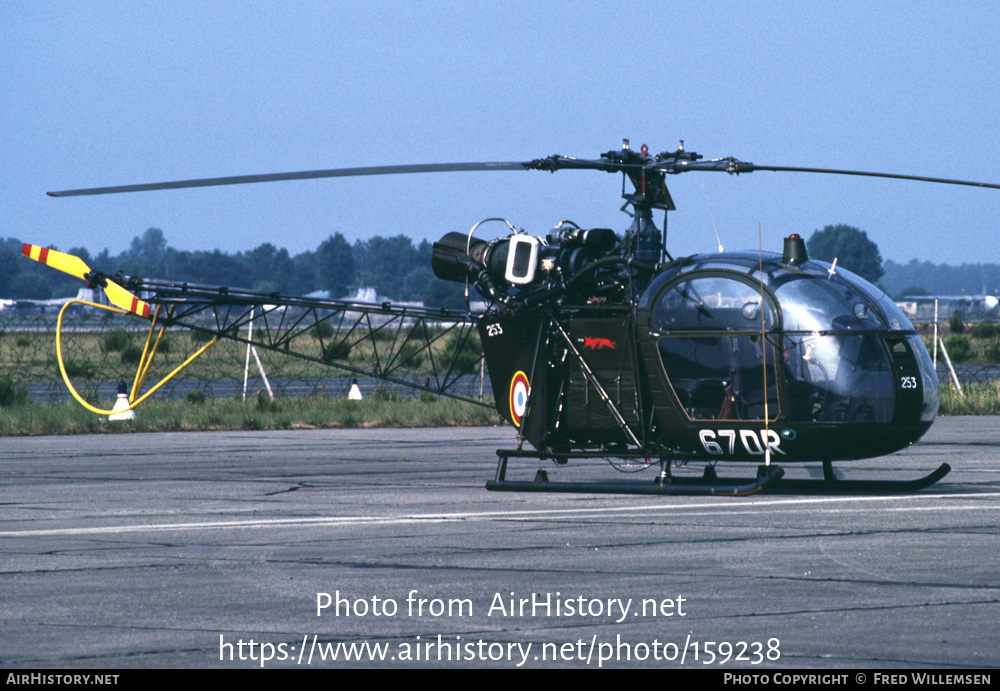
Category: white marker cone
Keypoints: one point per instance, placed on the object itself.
(355, 393)
(122, 404)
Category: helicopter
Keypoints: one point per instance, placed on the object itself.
(601, 345)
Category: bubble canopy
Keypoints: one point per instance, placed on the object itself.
(811, 295)
(836, 347)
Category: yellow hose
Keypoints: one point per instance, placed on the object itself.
(149, 361)
(139, 371)
(69, 385)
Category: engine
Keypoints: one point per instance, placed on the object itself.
(528, 265)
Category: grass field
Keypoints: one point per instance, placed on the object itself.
(979, 344)
(259, 414)
(979, 399)
(22, 417)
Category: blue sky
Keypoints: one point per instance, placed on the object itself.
(103, 93)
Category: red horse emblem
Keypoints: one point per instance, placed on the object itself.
(597, 343)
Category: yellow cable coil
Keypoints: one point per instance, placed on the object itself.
(144, 362)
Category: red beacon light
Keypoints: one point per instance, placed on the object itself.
(794, 252)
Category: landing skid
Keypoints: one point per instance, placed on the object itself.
(664, 484)
(833, 485)
(768, 477)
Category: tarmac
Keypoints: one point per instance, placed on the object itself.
(382, 548)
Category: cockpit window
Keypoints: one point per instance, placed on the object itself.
(837, 378)
(810, 303)
(713, 303)
(893, 316)
(713, 352)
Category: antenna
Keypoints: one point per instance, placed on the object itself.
(763, 349)
(710, 214)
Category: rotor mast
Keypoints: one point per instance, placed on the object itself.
(650, 192)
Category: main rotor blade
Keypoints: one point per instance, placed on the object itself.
(918, 178)
(673, 165)
(302, 175)
(735, 167)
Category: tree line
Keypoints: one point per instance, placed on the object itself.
(394, 266)
(856, 252)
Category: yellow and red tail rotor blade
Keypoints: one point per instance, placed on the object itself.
(74, 266)
(67, 263)
(119, 297)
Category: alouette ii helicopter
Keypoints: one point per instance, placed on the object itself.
(603, 345)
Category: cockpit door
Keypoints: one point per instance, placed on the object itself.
(716, 349)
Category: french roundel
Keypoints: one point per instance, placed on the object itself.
(518, 396)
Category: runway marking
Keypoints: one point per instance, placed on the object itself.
(528, 514)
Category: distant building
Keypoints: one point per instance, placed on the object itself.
(366, 295)
(920, 308)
